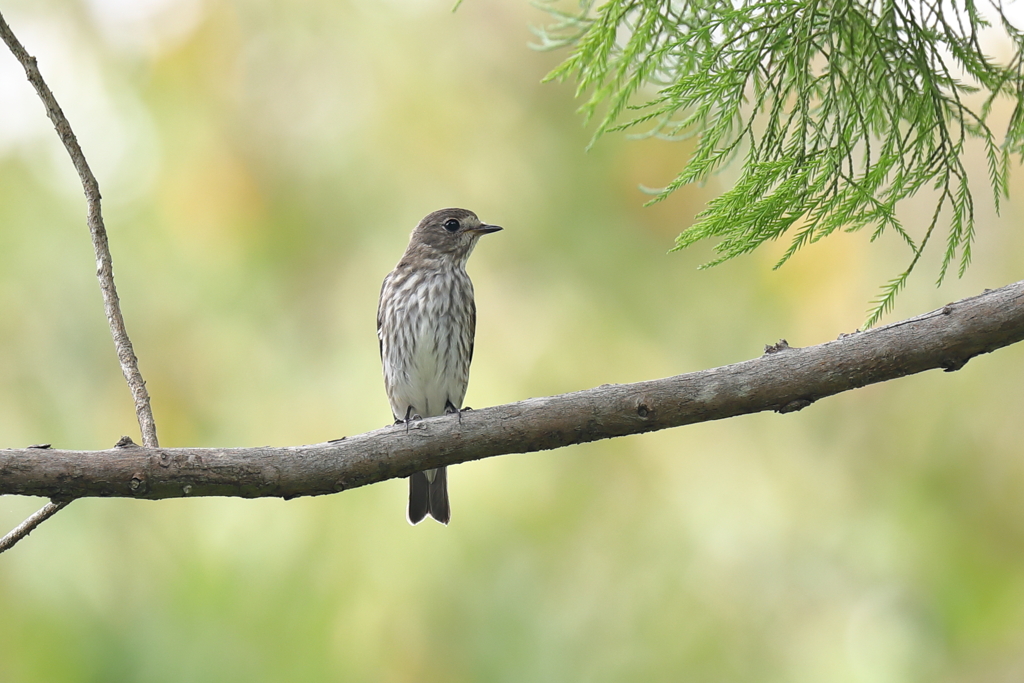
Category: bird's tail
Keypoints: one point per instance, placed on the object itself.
(428, 495)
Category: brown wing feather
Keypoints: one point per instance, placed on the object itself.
(472, 327)
(380, 322)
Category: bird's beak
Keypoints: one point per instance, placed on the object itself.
(484, 229)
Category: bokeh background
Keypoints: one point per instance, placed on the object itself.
(262, 163)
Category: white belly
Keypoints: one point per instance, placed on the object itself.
(426, 347)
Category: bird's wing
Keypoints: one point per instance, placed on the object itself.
(471, 329)
(380, 314)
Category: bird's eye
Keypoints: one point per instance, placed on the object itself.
(451, 225)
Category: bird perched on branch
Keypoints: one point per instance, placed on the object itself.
(426, 319)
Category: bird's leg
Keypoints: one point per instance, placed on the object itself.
(409, 417)
(399, 420)
(449, 409)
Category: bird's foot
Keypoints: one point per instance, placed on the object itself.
(449, 409)
(409, 417)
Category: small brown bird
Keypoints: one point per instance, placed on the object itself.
(426, 319)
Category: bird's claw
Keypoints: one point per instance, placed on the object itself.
(409, 417)
(449, 409)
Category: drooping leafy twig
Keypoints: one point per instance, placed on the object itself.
(841, 110)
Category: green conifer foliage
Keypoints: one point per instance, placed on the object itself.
(840, 110)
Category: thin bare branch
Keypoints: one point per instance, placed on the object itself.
(104, 265)
(784, 380)
(26, 527)
(104, 271)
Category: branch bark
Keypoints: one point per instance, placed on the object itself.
(784, 379)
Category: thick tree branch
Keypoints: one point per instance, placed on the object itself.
(784, 379)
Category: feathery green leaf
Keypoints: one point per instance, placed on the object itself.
(841, 109)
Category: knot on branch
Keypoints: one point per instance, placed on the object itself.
(137, 485)
(643, 408)
(793, 406)
(778, 347)
(954, 364)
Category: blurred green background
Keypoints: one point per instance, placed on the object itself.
(262, 163)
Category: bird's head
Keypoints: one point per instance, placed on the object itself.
(448, 234)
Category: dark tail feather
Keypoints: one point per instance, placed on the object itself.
(418, 497)
(428, 497)
(439, 508)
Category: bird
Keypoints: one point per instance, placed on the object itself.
(426, 321)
